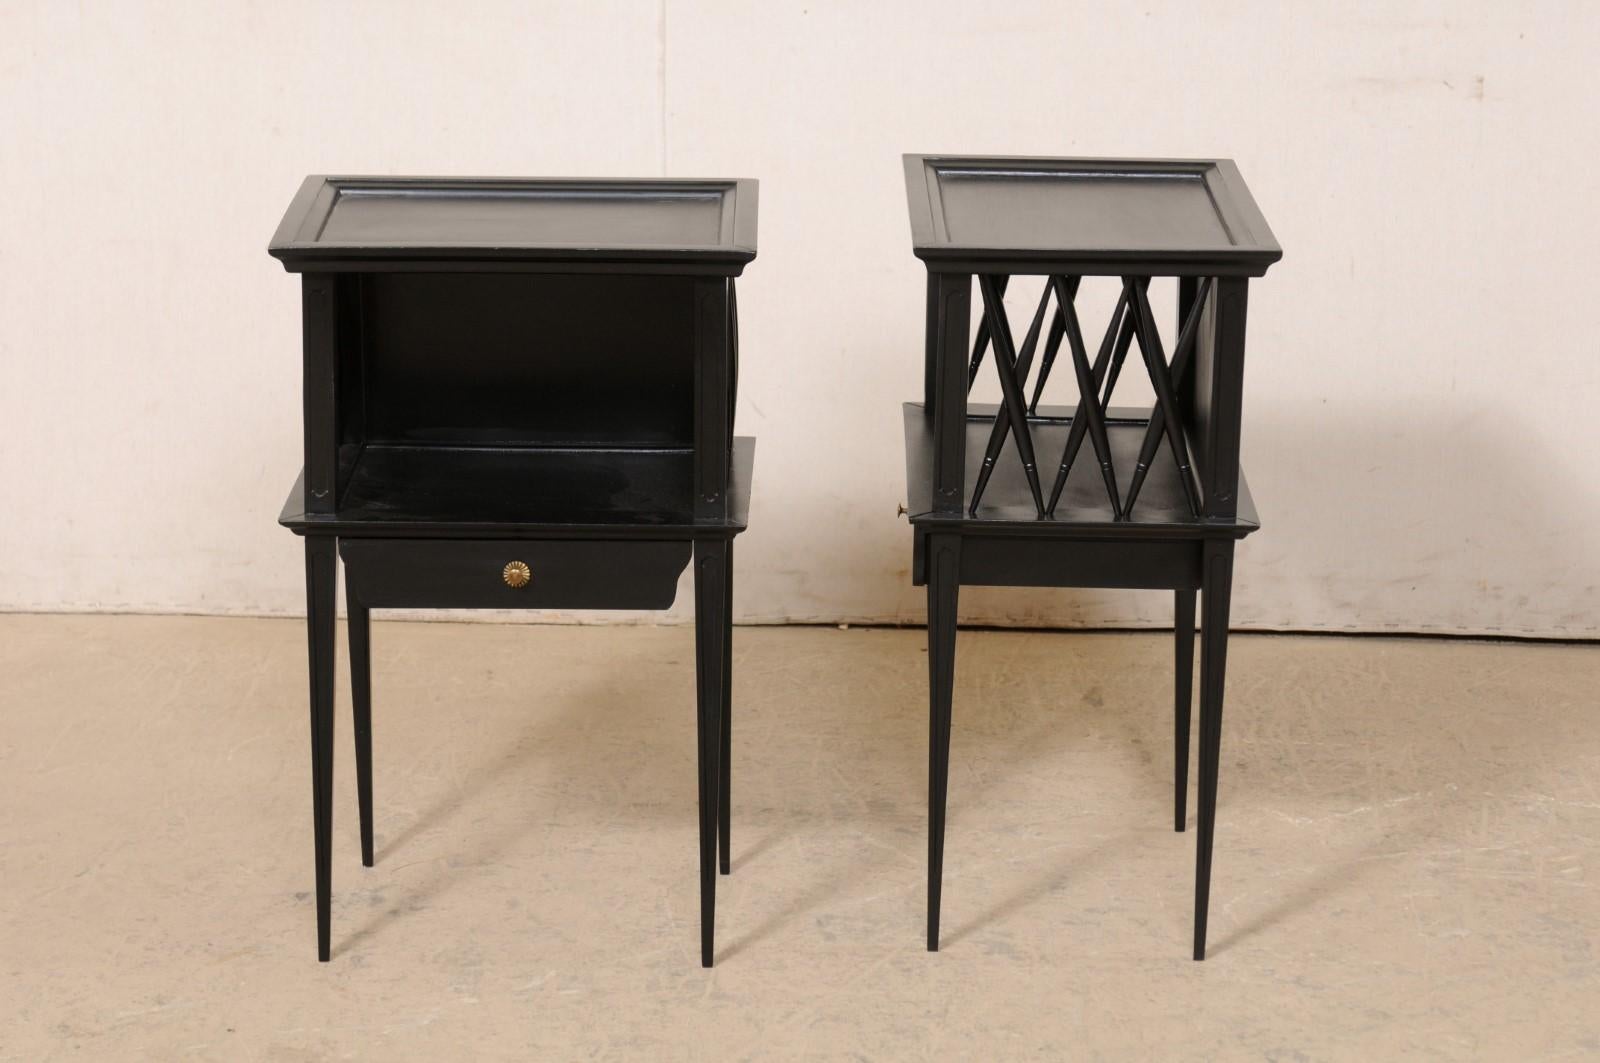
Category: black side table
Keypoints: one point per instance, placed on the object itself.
(998, 495)
(519, 394)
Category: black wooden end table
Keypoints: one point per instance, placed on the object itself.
(519, 394)
(1004, 494)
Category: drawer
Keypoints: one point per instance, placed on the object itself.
(513, 574)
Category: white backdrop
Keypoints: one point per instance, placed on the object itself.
(1420, 431)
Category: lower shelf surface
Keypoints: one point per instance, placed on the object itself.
(1084, 509)
(458, 491)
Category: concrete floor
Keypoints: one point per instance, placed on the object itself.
(1408, 851)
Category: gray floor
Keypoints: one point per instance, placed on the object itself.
(1408, 852)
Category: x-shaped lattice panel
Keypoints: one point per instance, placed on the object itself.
(1131, 320)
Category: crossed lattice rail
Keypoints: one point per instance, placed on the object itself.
(1130, 320)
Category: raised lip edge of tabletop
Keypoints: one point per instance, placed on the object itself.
(296, 245)
(1230, 195)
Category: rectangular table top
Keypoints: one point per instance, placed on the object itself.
(649, 225)
(988, 214)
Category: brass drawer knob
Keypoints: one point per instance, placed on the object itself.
(516, 574)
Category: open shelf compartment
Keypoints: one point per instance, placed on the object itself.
(1084, 509)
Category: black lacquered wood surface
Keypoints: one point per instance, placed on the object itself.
(1084, 508)
(380, 224)
(1006, 215)
(519, 394)
(1083, 494)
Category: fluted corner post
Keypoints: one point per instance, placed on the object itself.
(952, 319)
(1216, 386)
(319, 300)
(713, 405)
(930, 345)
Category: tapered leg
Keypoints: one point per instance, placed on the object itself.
(723, 804)
(1182, 703)
(361, 697)
(321, 572)
(944, 584)
(1216, 588)
(710, 636)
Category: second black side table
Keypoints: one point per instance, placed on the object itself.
(519, 394)
(1088, 495)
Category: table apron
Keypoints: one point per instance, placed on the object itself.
(479, 573)
(1017, 561)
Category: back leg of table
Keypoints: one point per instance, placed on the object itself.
(1182, 703)
(726, 781)
(710, 635)
(944, 584)
(361, 698)
(322, 563)
(1216, 588)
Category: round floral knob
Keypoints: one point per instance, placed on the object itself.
(517, 574)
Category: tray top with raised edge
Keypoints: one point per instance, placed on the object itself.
(990, 214)
(346, 224)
